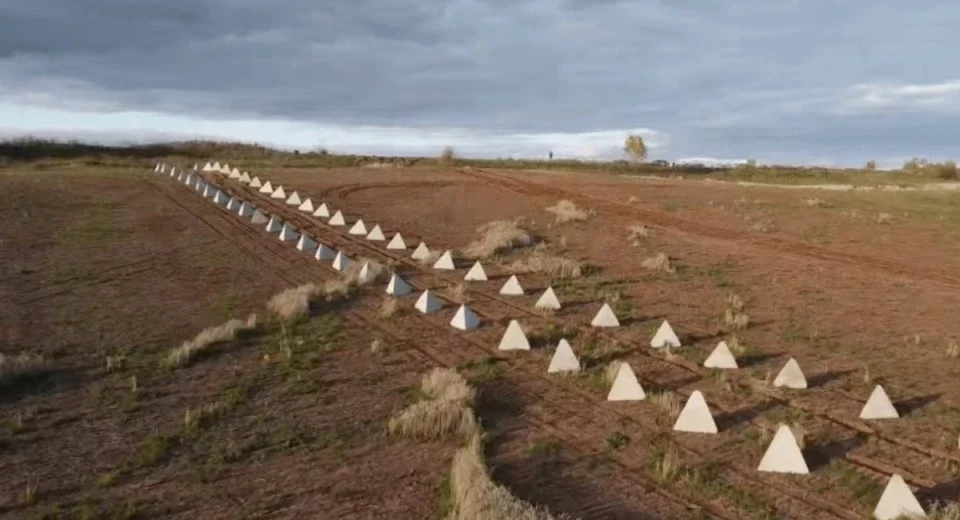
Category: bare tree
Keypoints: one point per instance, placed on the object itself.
(635, 147)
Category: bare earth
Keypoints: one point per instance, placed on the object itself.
(859, 287)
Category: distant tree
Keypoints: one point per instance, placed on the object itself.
(635, 147)
(447, 157)
(752, 163)
(871, 165)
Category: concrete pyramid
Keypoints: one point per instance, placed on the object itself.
(341, 262)
(605, 317)
(294, 200)
(245, 178)
(233, 204)
(257, 217)
(216, 166)
(234, 173)
(306, 244)
(396, 242)
(445, 262)
(195, 166)
(548, 300)
(421, 252)
(246, 210)
(366, 274)
(220, 199)
(465, 319)
(695, 416)
(225, 168)
(783, 455)
(322, 211)
(878, 406)
(358, 228)
(275, 224)
(287, 233)
(173, 171)
(199, 185)
(337, 219)
(279, 194)
(255, 183)
(427, 303)
(665, 337)
(398, 287)
(266, 188)
(514, 338)
(625, 386)
(563, 360)
(209, 191)
(721, 357)
(207, 167)
(791, 376)
(376, 234)
(189, 181)
(476, 273)
(180, 177)
(306, 206)
(512, 287)
(324, 253)
(157, 168)
(898, 501)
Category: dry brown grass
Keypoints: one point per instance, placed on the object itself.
(431, 258)
(476, 496)
(816, 203)
(944, 511)
(457, 293)
(498, 236)
(567, 211)
(13, 368)
(660, 262)
(884, 218)
(551, 264)
(734, 317)
(445, 410)
(668, 402)
(388, 307)
(953, 350)
(294, 304)
(638, 233)
(351, 276)
(185, 353)
(610, 372)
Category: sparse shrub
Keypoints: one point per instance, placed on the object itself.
(431, 258)
(734, 317)
(447, 157)
(376, 345)
(953, 350)
(13, 368)
(884, 218)
(733, 343)
(445, 410)
(634, 146)
(457, 293)
(660, 262)
(871, 166)
(375, 271)
(388, 307)
(498, 236)
(543, 261)
(667, 401)
(567, 211)
(185, 353)
(818, 203)
(116, 363)
(293, 304)
(666, 464)
(638, 233)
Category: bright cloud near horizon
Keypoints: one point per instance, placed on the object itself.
(816, 82)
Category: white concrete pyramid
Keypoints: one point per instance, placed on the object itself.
(180, 177)
(445, 262)
(605, 317)
(233, 204)
(245, 178)
(341, 262)
(216, 166)
(287, 233)
(337, 219)
(257, 217)
(294, 199)
(878, 406)
(427, 303)
(322, 211)
(358, 228)
(548, 300)
(421, 252)
(625, 386)
(234, 173)
(157, 168)
(396, 242)
(173, 171)
(514, 338)
(255, 183)
(476, 273)
(209, 191)
(189, 180)
(225, 168)
(246, 210)
(791, 376)
(266, 188)
(220, 199)
(324, 252)
(721, 357)
(783, 455)
(279, 194)
(306, 206)
(376, 234)
(199, 185)
(695, 416)
(306, 244)
(898, 501)
(275, 224)
(207, 167)
(563, 360)
(465, 319)
(195, 166)
(398, 287)
(665, 337)
(512, 287)
(366, 274)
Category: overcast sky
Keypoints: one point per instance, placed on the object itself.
(812, 81)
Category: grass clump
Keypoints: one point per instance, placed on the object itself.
(553, 265)
(445, 410)
(447, 157)
(14, 368)
(499, 236)
(188, 351)
(388, 307)
(638, 233)
(668, 402)
(567, 211)
(660, 262)
(733, 316)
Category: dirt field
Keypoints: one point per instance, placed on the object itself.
(858, 287)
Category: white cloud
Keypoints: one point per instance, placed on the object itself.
(869, 96)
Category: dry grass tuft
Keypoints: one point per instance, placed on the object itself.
(734, 317)
(457, 293)
(476, 496)
(953, 350)
(567, 211)
(431, 258)
(884, 218)
(447, 157)
(388, 307)
(185, 353)
(733, 343)
(376, 345)
(553, 265)
(667, 465)
(376, 272)
(498, 236)
(660, 262)
(668, 402)
(816, 203)
(610, 372)
(945, 511)
(446, 409)
(293, 304)
(23, 365)
(638, 233)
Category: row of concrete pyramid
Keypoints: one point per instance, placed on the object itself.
(783, 454)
